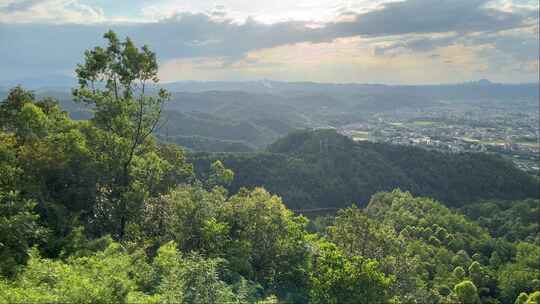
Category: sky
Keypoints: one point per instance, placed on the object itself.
(362, 41)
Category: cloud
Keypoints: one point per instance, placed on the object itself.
(49, 11)
(18, 6)
(397, 18)
(428, 16)
(416, 43)
(418, 26)
(347, 60)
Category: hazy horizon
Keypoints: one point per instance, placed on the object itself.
(61, 81)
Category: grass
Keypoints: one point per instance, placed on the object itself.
(423, 123)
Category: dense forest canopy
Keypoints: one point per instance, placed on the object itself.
(322, 169)
(101, 211)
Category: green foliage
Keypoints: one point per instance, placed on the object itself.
(476, 273)
(534, 298)
(77, 244)
(191, 279)
(424, 217)
(220, 176)
(360, 235)
(411, 225)
(103, 278)
(467, 293)
(214, 131)
(249, 230)
(98, 211)
(111, 276)
(186, 215)
(522, 273)
(261, 229)
(322, 169)
(512, 220)
(522, 298)
(18, 230)
(206, 144)
(459, 273)
(336, 278)
(113, 80)
(11, 173)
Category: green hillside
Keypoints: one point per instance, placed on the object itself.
(201, 143)
(322, 169)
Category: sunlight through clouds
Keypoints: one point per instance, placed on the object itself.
(324, 40)
(264, 11)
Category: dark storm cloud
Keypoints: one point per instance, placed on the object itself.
(41, 47)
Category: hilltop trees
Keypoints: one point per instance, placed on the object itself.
(96, 172)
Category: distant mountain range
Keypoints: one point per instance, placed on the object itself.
(62, 82)
(57, 82)
(247, 116)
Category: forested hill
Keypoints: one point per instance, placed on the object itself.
(322, 169)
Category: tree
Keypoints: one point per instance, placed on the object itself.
(534, 298)
(522, 274)
(220, 176)
(267, 242)
(459, 273)
(100, 278)
(12, 106)
(12, 173)
(44, 157)
(28, 119)
(186, 215)
(18, 231)
(190, 279)
(335, 278)
(467, 293)
(114, 80)
(358, 234)
(522, 298)
(476, 273)
(114, 275)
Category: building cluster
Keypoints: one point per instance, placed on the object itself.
(513, 134)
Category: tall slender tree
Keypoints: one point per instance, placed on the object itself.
(115, 80)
